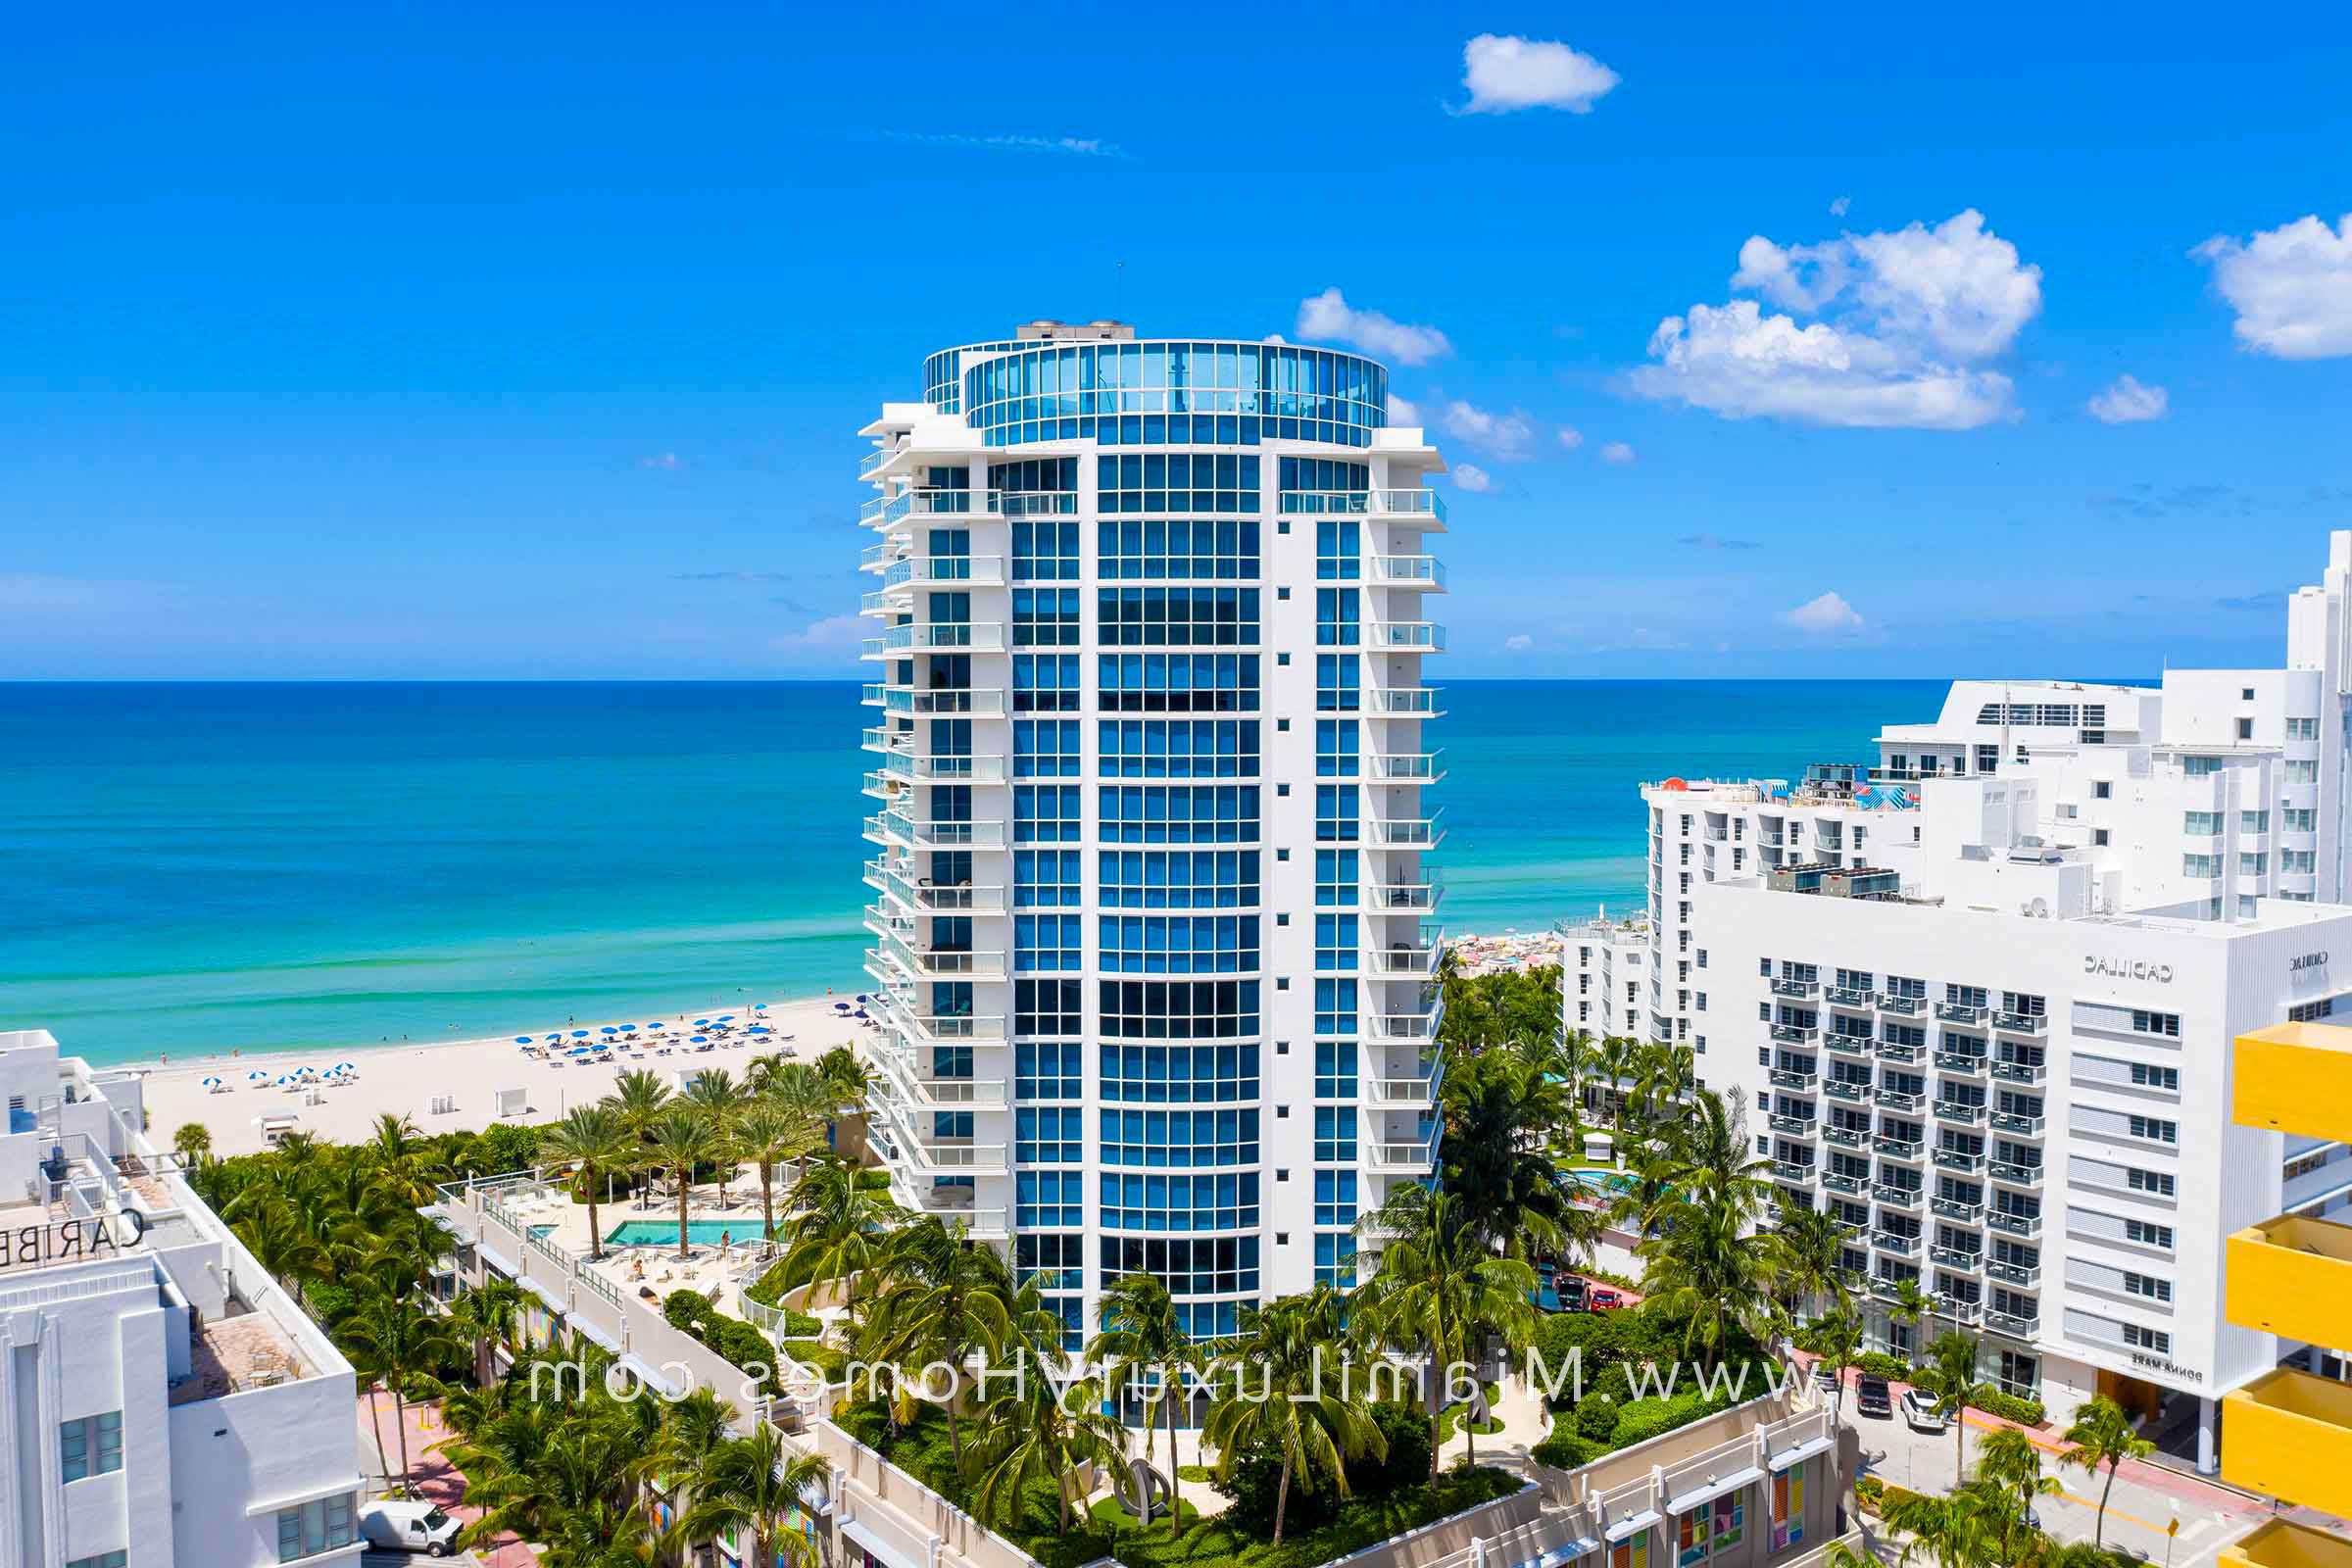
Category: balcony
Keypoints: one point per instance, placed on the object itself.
(1794, 1126)
(1421, 636)
(1895, 1241)
(933, 963)
(957, 636)
(1893, 1196)
(1955, 1257)
(1793, 1034)
(946, 770)
(1798, 989)
(1413, 1027)
(2022, 1023)
(1900, 1100)
(1958, 1111)
(887, 511)
(1959, 1012)
(1406, 833)
(949, 1029)
(1970, 1062)
(1418, 896)
(1954, 1208)
(2290, 1436)
(2012, 1273)
(1844, 1137)
(974, 571)
(2278, 1544)
(1790, 1170)
(1041, 503)
(1404, 1159)
(2296, 1078)
(2018, 1073)
(1958, 1160)
(1847, 1045)
(1847, 1090)
(2025, 1225)
(1849, 996)
(2023, 1126)
(1901, 1007)
(1903, 1149)
(1794, 1077)
(2016, 1325)
(1364, 503)
(1898, 1050)
(2011, 1174)
(906, 831)
(1406, 1094)
(1399, 961)
(921, 897)
(875, 458)
(1407, 768)
(1838, 1181)
(2291, 1276)
(1402, 702)
(937, 1094)
(1425, 572)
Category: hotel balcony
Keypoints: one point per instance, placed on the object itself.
(2292, 1277)
(1971, 1062)
(946, 770)
(1957, 1210)
(1893, 1196)
(974, 572)
(1849, 996)
(897, 1076)
(913, 1157)
(2011, 1273)
(886, 511)
(1424, 504)
(1844, 1137)
(1412, 1027)
(1845, 1089)
(1406, 1094)
(1959, 1111)
(1894, 1241)
(2010, 1174)
(1796, 1077)
(2017, 1124)
(1405, 832)
(1411, 1158)
(2017, 1324)
(2279, 1543)
(934, 964)
(1794, 1126)
(1900, 1050)
(1409, 636)
(1847, 1045)
(944, 701)
(1414, 896)
(1425, 572)
(1790, 1170)
(1402, 702)
(952, 636)
(1903, 1149)
(901, 829)
(1902, 1007)
(1407, 767)
(1954, 1258)
(1400, 961)
(1838, 1181)
(2027, 1226)
(2017, 1072)
(947, 1029)
(1959, 1160)
(1959, 1012)
(2022, 1023)
(1798, 989)
(1790, 1033)
(1900, 1100)
(1041, 503)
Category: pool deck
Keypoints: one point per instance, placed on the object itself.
(653, 1268)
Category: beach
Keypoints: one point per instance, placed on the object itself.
(412, 1079)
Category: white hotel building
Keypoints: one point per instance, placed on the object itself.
(163, 1402)
(1982, 1004)
(1151, 919)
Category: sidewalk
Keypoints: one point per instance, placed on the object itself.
(431, 1476)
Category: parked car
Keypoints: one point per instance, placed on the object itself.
(1574, 1294)
(1824, 1378)
(1921, 1412)
(1871, 1396)
(398, 1524)
(1603, 1299)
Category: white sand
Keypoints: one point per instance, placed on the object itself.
(406, 1079)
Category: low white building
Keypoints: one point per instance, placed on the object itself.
(167, 1404)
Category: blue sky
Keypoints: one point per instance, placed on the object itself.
(513, 342)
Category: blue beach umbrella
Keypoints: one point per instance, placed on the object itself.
(346, 1066)
(628, 1028)
(702, 1023)
(657, 1026)
(580, 1050)
(759, 1029)
(701, 1038)
(726, 1017)
(607, 1030)
(522, 1040)
(579, 1034)
(212, 1082)
(257, 1077)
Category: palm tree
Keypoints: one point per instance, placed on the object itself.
(845, 1077)
(639, 1096)
(749, 1484)
(1841, 1341)
(721, 1099)
(1948, 1377)
(1440, 1289)
(595, 1141)
(2103, 1435)
(1141, 1328)
(1290, 1410)
(679, 1140)
(1962, 1531)
(1033, 1430)
(2009, 1466)
(941, 1302)
(1913, 1306)
(192, 1141)
(486, 1315)
(835, 1228)
(398, 1339)
(1615, 1058)
(1812, 1242)
(691, 1431)
(1496, 1164)
(769, 1134)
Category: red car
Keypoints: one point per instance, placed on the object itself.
(1603, 1299)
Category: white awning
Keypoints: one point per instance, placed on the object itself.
(504, 1264)
(648, 1372)
(881, 1549)
(1630, 1524)
(1561, 1556)
(1699, 1497)
(549, 1299)
(1798, 1454)
(593, 1332)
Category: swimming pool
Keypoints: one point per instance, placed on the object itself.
(664, 1232)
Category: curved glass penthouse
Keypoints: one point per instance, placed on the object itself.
(1154, 919)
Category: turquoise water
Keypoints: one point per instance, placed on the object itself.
(698, 1231)
(200, 866)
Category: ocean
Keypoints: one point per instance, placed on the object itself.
(197, 866)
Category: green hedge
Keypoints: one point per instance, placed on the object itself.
(873, 1179)
(1885, 1365)
(1565, 1451)
(832, 1363)
(745, 1347)
(2008, 1406)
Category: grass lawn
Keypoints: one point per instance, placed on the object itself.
(1449, 1420)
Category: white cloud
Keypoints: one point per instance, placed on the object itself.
(1519, 644)
(2291, 287)
(1470, 478)
(1505, 435)
(1838, 208)
(1328, 317)
(1828, 613)
(1618, 452)
(661, 460)
(1906, 321)
(2127, 402)
(1403, 410)
(834, 633)
(1505, 74)
(1083, 146)
(1571, 437)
